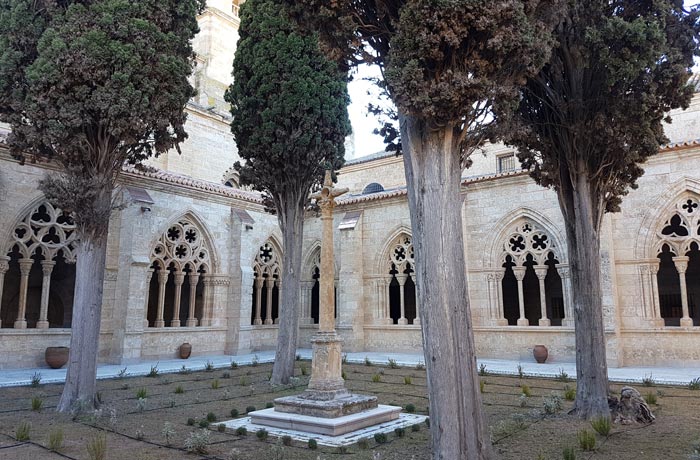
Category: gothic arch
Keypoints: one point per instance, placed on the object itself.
(267, 276)
(384, 254)
(647, 245)
(190, 217)
(508, 224)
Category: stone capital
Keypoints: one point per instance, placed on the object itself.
(541, 271)
(179, 278)
(163, 276)
(519, 273)
(25, 265)
(47, 266)
(681, 264)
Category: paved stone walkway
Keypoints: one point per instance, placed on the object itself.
(668, 375)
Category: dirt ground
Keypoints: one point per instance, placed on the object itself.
(134, 430)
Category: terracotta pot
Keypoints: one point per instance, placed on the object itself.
(185, 350)
(56, 357)
(540, 352)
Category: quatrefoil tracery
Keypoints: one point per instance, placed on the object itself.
(527, 239)
(183, 246)
(682, 228)
(47, 229)
(402, 257)
(267, 262)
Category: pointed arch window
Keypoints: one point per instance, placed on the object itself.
(178, 280)
(531, 286)
(37, 271)
(266, 285)
(678, 267)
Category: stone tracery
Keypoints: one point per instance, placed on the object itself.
(181, 261)
(267, 270)
(41, 249)
(396, 285)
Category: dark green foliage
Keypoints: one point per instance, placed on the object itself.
(190, 421)
(287, 440)
(288, 103)
(313, 444)
(400, 432)
(363, 443)
(221, 428)
(241, 431)
(250, 409)
(234, 413)
(596, 108)
(211, 417)
(380, 438)
(261, 434)
(410, 408)
(204, 423)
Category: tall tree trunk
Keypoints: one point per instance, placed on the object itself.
(433, 173)
(583, 216)
(79, 389)
(291, 219)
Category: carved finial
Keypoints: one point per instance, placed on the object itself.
(328, 180)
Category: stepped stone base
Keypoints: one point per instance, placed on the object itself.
(323, 425)
(319, 404)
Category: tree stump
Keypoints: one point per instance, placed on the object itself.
(630, 408)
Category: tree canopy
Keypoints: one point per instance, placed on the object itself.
(289, 103)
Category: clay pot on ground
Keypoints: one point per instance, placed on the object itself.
(185, 350)
(56, 357)
(540, 353)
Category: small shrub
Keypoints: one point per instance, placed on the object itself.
(198, 441)
(367, 361)
(563, 376)
(376, 378)
(221, 428)
(601, 425)
(380, 438)
(211, 417)
(190, 421)
(415, 428)
(569, 393)
(37, 403)
(234, 365)
(287, 440)
(551, 404)
(153, 372)
(526, 390)
(521, 374)
(344, 375)
(250, 409)
(400, 432)
(204, 423)
(141, 393)
(522, 400)
(261, 434)
(243, 381)
(407, 380)
(420, 366)
(392, 364)
(179, 390)
(648, 380)
(255, 361)
(344, 359)
(55, 441)
(569, 453)
(36, 379)
(122, 373)
(694, 384)
(586, 440)
(234, 413)
(304, 370)
(482, 385)
(168, 432)
(482, 369)
(313, 444)
(226, 375)
(215, 384)
(427, 422)
(209, 366)
(241, 431)
(269, 405)
(363, 444)
(650, 398)
(410, 408)
(23, 430)
(97, 447)
(141, 404)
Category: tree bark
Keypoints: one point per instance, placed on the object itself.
(79, 389)
(433, 174)
(291, 219)
(583, 212)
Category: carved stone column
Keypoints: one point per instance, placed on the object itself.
(306, 301)
(4, 267)
(269, 284)
(541, 272)
(47, 269)
(501, 313)
(565, 275)
(520, 275)
(278, 283)
(25, 266)
(208, 301)
(416, 321)
(149, 276)
(162, 281)
(191, 319)
(657, 320)
(401, 277)
(179, 279)
(386, 300)
(681, 264)
(258, 300)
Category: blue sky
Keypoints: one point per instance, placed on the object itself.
(365, 142)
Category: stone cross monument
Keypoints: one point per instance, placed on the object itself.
(326, 407)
